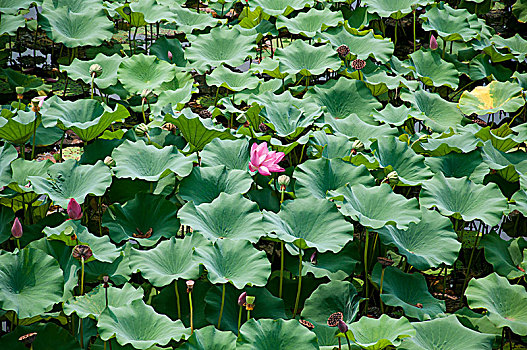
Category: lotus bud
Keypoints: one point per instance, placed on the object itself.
(82, 251)
(17, 231)
(95, 70)
(141, 130)
(334, 318)
(433, 42)
(283, 181)
(242, 299)
(306, 324)
(358, 146)
(313, 258)
(343, 327)
(28, 339)
(109, 161)
(343, 50)
(393, 177)
(205, 114)
(263, 127)
(358, 64)
(249, 305)
(147, 94)
(190, 286)
(169, 54)
(74, 210)
(105, 280)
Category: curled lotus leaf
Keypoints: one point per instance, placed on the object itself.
(311, 22)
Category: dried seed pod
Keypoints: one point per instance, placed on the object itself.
(190, 286)
(385, 261)
(140, 234)
(263, 127)
(358, 64)
(307, 324)
(334, 318)
(28, 339)
(343, 50)
(249, 305)
(205, 114)
(82, 251)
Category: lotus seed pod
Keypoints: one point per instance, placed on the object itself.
(20, 90)
(263, 127)
(283, 180)
(393, 177)
(36, 104)
(205, 114)
(249, 305)
(343, 327)
(28, 339)
(95, 70)
(358, 64)
(17, 231)
(242, 299)
(306, 324)
(141, 129)
(105, 280)
(74, 209)
(109, 161)
(358, 146)
(433, 42)
(343, 50)
(334, 318)
(190, 286)
(82, 251)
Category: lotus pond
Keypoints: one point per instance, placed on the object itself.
(263, 174)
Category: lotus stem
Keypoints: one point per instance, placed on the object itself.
(444, 281)
(177, 300)
(395, 38)
(82, 292)
(281, 264)
(248, 315)
(380, 288)
(366, 285)
(34, 137)
(191, 312)
(340, 345)
(143, 110)
(222, 304)
(239, 319)
(23, 151)
(216, 97)
(62, 145)
(467, 276)
(18, 243)
(348, 340)
(414, 29)
(92, 85)
(299, 282)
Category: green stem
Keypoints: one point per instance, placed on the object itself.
(281, 263)
(23, 151)
(248, 315)
(395, 38)
(191, 313)
(348, 340)
(299, 281)
(444, 281)
(467, 276)
(92, 85)
(414, 30)
(143, 110)
(239, 319)
(221, 307)
(62, 145)
(216, 97)
(366, 284)
(177, 300)
(18, 243)
(34, 137)
(82, 292)
(380, 289)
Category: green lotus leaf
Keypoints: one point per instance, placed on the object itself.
(12, 6)
(141, 72)
(137, 160)
(152, 11)
(509, 164)
(29, 82)
(279, 7)
(228, 216)
(70, 180)
(224, 77)
(335, 296)
(361, 46)
(520, 200)
(93, 303)
(450, 24)
(234, 154)
(145, 213)
(394, 115)
(266, 306)
(519, 9)
(237, 262)
(463, 199)
(102, 249)
(18, 129)
(8, 154)
(434, 71)
(507, 257)
(286, 119)
(76, 29)
(87, 118)
(516, 44)
(22, 169)
(275, 335)
(31, 282)
(446, 334)
(10, 24)
(492, 98)
(209, 338)
(460, 139)
(398, 156)
(503, 138)
(407, 290)
(419, 242)
(73, 5)
(506, 304)
(308, 222)
(163, 46)
(204, 185)
(197, 131)
(219, 46)
(480, 68)
(139, 325)
(6, 221)
(49, 335)
(396, 9)
(187, 20)
(81, 70)
(362, 204)
(300, 57)
(438, 113)
(333, 266)
(377, 334)
(330, 146)
(318, 176)
(459, 165)
(311, 22)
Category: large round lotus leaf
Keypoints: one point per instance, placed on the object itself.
(228, 216)
(396, 9)
(463, 199)
(308, 223)
(378, 206)
(492, 98)
(10, 24)
(29, 82)
(318, 176)
(446, 334)
(234, 154)
(420, 241)
(394, 115)
(8, 154)
(434, 71)
(300, 57)
(438, 114)
(70, 180)
(377, 334)
(409, 291)
(87, 118)
(520, 201)
(209, 338)
(237, 262)
(506, 304)
(76, 29)
(458, 165)
(279, 7)
(398, 156)
(224, 77)
(204, 184)
(142, 72)
(30, 282)
(145, 213)
(330, 146)
(275, 335)
(48, 336)
(77, 6)
(286, 119)
(335, 296)
(139, 325)
(92, 304)
(81, 70)
(449, 23)
(361, 46)
(170, 260)
(266, 306)
(188, 20)
(137, 160)
(19, 128)
(152, 11)
(219, 46)
(507, 257)
(311, 22)
(481, 67)
(163, 46)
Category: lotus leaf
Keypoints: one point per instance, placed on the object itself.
(209, 338)
(81, 70)
(442, 21)
(18, 129)
(10, 24)
(8, 154)
(188, 20)
(152, 11)
(355, 128)
(492, 98)
(394, 115)
(300, 57)
(507, 257)
(223, 77)
(275, 335)
(376, 334)
(49, 335)
(311, 22)
(279, 7)
(397, 9)
(516, 44)
(234, 154)
(142, 72)
(434, 71)
(469, 165)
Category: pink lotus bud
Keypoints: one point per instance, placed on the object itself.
(74, 210)
(343, 327)
(433, 42)
(242, 299)
(17, 231)
(313, 258)
(170, 55)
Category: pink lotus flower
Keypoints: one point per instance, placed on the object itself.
(17, 231)
(170, 55)
(40, 100)
(433, 42)
(74, 210)
(263, 161)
